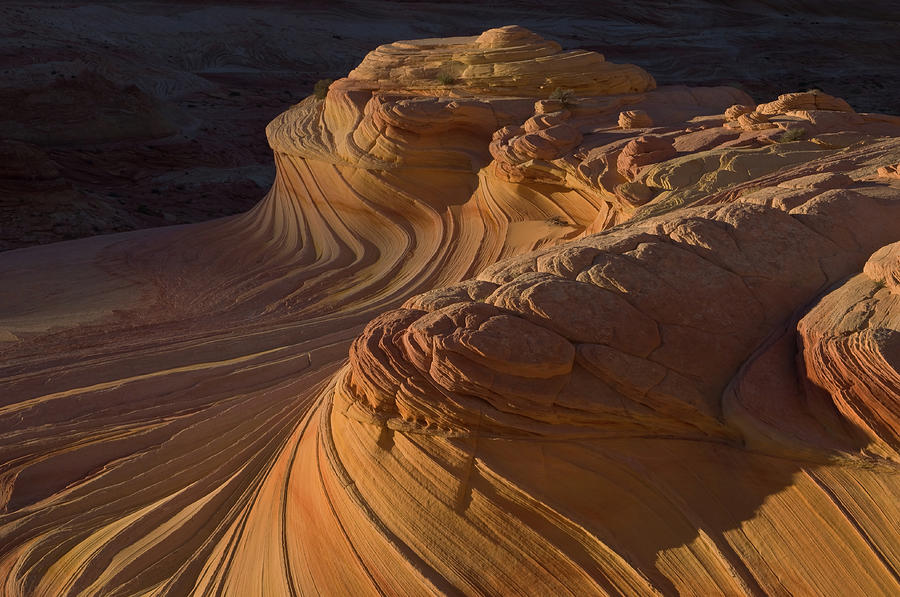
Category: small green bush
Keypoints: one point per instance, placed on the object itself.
(564, 95)
(446, 78)
(320, 89)
(794, 134)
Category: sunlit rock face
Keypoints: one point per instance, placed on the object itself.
(504, 61)
(511, 320)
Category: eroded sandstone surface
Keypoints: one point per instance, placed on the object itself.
(512, 319)
(150, 112)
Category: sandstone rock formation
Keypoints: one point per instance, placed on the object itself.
(889, 171)
(634, 119)
(478, 340)
(211, 73)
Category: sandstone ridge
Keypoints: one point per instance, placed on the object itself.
(479, 338)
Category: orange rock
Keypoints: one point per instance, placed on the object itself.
(884, 267)
(548, 143)
(596, 330)
(634, 193)
(642, 151)
(634, 119)
(737, 110)
(752, 121)
(889, 171)
(502, 61)
(851, 352)
(808, 100)
(823, 181)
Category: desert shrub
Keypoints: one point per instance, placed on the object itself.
(320, 89)
(793, 134)
(564, 95)
(445, 78)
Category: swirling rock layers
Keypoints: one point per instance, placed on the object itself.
(583, 359)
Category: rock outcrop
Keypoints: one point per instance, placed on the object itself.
(634, 119)
(479, 340)
(504, 61)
